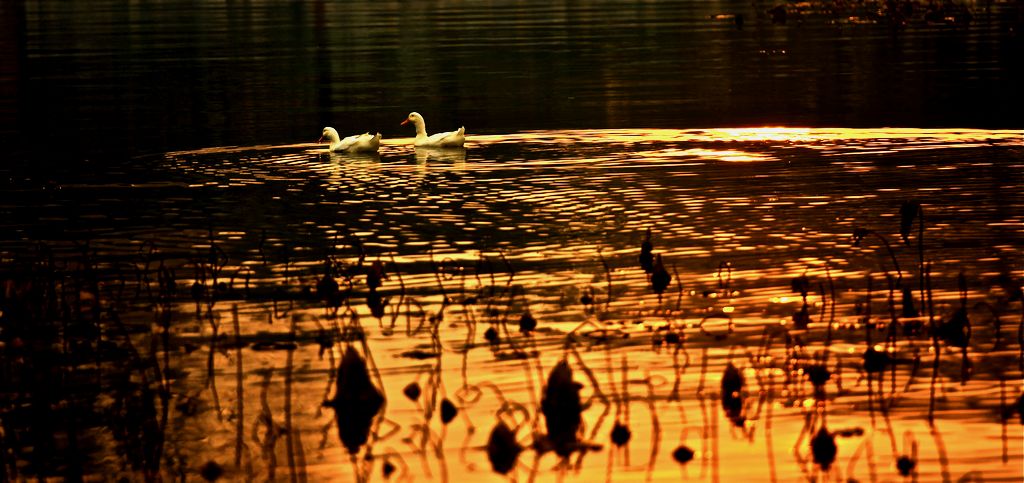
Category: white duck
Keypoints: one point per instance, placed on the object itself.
(360, 143)
(452, 139)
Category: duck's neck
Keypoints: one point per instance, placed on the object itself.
(333, 140)
(421, 128)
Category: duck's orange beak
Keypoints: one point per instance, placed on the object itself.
(318, 141)
(406, 121)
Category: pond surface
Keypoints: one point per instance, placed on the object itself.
(192, 289)
(98, 78)
(202, 274)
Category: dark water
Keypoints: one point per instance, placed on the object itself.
(96, 78)
(168, 225)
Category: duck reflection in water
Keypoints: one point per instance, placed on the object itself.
(336, 157)
(456, 156)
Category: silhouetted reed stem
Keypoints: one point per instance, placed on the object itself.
(935, 345)
(892, 256)
(1020, 339)
(920, 254)
(831, 317)
(608, 279)
(239, 390)
(288, 428)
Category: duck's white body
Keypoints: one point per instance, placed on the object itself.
(451, 139)
(360, 143)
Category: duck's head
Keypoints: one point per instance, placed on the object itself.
(329, 134)
(414, 117)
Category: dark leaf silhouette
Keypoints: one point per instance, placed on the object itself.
(732, 394)
(587, 299)
(376, 303)
(956, 332)
(905, 465)
(198, 290)
(1020, 408)
(823, 448)
(491, 335)
(646, 257)
(448, 411)
(909, 310)
(818, 374)
(327, 288)
(876, 361)
(387, 469)
(800, 285)
(562, 409)
(211, 471)
(683, 454)
(620, 434)
(732, 380)
(1011, 288)
(412, 391)
(527, 323)
(375, 275)
(908, 211)
(503, 449)
(672, 338)
(802, 318)
(660, 277)
(356, 401)
(859, 234)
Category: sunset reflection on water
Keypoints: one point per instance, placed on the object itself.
(751, 224)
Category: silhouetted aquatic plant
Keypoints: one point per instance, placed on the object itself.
(527, 323)
(801, 285)
(375, 276)
(860, 233)
(377, 304)
(936, 348)
(956, 332)
(683, 454)
(356, 401)
(327, 288)
(1020, 408)
(910, 311)
(733, 384)
(412, 391)
(448, 411)
(908, 211)
(646, 257)
(562, 410)
(876, 361)
(587, 299)
(502, 448)
(211, 471)
(492, 337)
(823, 448)
(905, 465)
(907, 462)
(818, 375)
(620, 434)
(660, 277)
